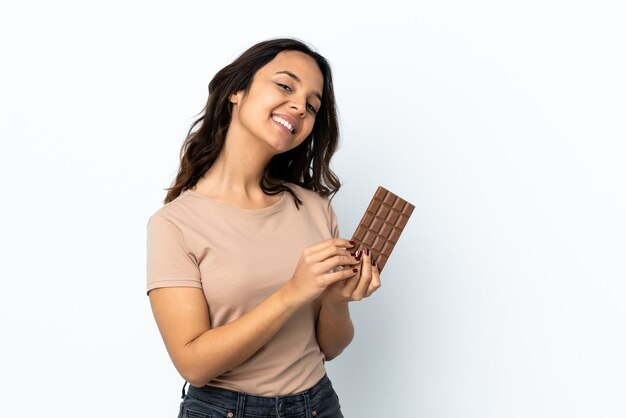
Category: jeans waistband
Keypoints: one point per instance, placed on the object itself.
(261, 405)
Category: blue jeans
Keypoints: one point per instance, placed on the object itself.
(320, 401)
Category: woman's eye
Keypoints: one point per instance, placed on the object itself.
(284, 86)
(311, 108)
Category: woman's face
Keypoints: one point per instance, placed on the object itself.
(281, 103)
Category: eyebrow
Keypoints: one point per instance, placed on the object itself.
(295, 77)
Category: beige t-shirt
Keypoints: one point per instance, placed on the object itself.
(239, 257)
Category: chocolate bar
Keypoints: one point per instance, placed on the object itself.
(381, 225)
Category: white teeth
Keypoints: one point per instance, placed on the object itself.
(283, 122)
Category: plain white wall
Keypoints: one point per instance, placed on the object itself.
(503, 122)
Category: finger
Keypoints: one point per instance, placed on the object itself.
(337, 242)
(326, 252)
(335, 262)
(366, 276)
(331, 258)
(346, 274)
(351, 284)
(375, 283)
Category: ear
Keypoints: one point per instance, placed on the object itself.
(234, 98)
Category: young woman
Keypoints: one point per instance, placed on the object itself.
(248, 279)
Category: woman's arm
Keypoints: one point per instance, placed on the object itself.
(334, 328)
(201, 353)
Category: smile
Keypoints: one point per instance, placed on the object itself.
(284, 123)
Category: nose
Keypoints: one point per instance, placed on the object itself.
(299, 106)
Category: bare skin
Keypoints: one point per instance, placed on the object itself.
(327, 274)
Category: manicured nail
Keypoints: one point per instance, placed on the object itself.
(354, 270)
(367, 251)
(358, 254)
(374, 262)
(351, 242)
(353, 254)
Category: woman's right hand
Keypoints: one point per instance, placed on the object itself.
(316, 269)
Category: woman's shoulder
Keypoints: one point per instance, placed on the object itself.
(174, 208)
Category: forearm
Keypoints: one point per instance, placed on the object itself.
(224, 348)
(334, 329)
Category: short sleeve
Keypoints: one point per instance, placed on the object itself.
(170, 263)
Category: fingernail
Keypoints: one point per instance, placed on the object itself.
(367, 251)
(353, 254)
(373, 262)
(358, 254)
(354, 270)
(351, 242)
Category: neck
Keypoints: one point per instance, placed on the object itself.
(238, 170)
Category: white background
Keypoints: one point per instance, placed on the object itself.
(503, 122)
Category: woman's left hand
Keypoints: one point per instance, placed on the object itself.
(358, 287)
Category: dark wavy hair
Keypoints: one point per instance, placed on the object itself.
(307, 165)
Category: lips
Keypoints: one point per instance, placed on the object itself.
(287, 122)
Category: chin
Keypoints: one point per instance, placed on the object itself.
(281, 147)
